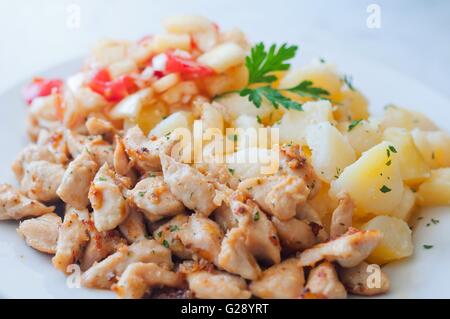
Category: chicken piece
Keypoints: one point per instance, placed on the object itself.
(110, 208)
(348, 250)
(218, 172)
(168, 235)
(196, 191)
(139, 278)
(217, 285)
(98, 126)
(235, 257)
(261, 236)
(104, 274)
(224, 217)
(54, 141)
(100, 246)
(276, 195)
(293, 162)
(14, 205)
(323, 280)
(41, 233)
(74, 187)
(143, 151)
(101, 151)
(365, 280)
(76, 143)
(295, 234)
(153, 198)
(72, 238)
(281, 281)
(32, 153)
(133, 228)
(202, 236)
(41, 180)
(122, 164)
(341, 219)
(309, 215)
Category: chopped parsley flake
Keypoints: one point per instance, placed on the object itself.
(233, 137)
(388, 163)
(174, 228)
(258, 118)
(165, 243)
(385, 189)
(231, 171)
(102, 179)
(256, 217)
(141, 194)
(428, 246)
(353, 124)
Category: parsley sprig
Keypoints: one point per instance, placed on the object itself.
(261, 65)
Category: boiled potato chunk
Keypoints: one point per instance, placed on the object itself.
(374, 186)
(247, 131)
(181, 119)
(434, 147)
(212, 118)
(354, 106)
(331, 152)
(406, 206)
(395, 116)
(233, 105)
(363, 136)
(320, 74)
(294, 123)
(412, 165)
(435, 191)
(396, 242)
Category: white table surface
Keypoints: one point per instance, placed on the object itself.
(413, 38)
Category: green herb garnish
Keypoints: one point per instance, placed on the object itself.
(261, 65)
(174, 228)
(385, 189)
(165, 243)
(428, 246)
(353, 124)
(256, 217)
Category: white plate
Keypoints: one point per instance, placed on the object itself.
(25, 273)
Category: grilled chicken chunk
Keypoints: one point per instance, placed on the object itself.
(98, 126)
(193, 189)
(105, 273)
(235, 257)
(101, 151)
(32, 153)
(276, 195)
(41, 233)
(282, 281)
(122, 164)
(168, 234)
(153, 198)
(139, 278)
(110, 207)
(202, 236)
(133, 228)
(323, 281)
(41, 180)
(294, 234)
(341, 219)
(74, 187)
(100, 246)
(365, 280)
(145, 152)
(14, 205)
(217, 285)
(72, 239)
(348, 250)
(293, 162)
(261, 236)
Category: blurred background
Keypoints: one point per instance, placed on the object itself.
(411, 37)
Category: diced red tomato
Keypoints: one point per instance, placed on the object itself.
(41, 87)
(187, 68)
(112, 90)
